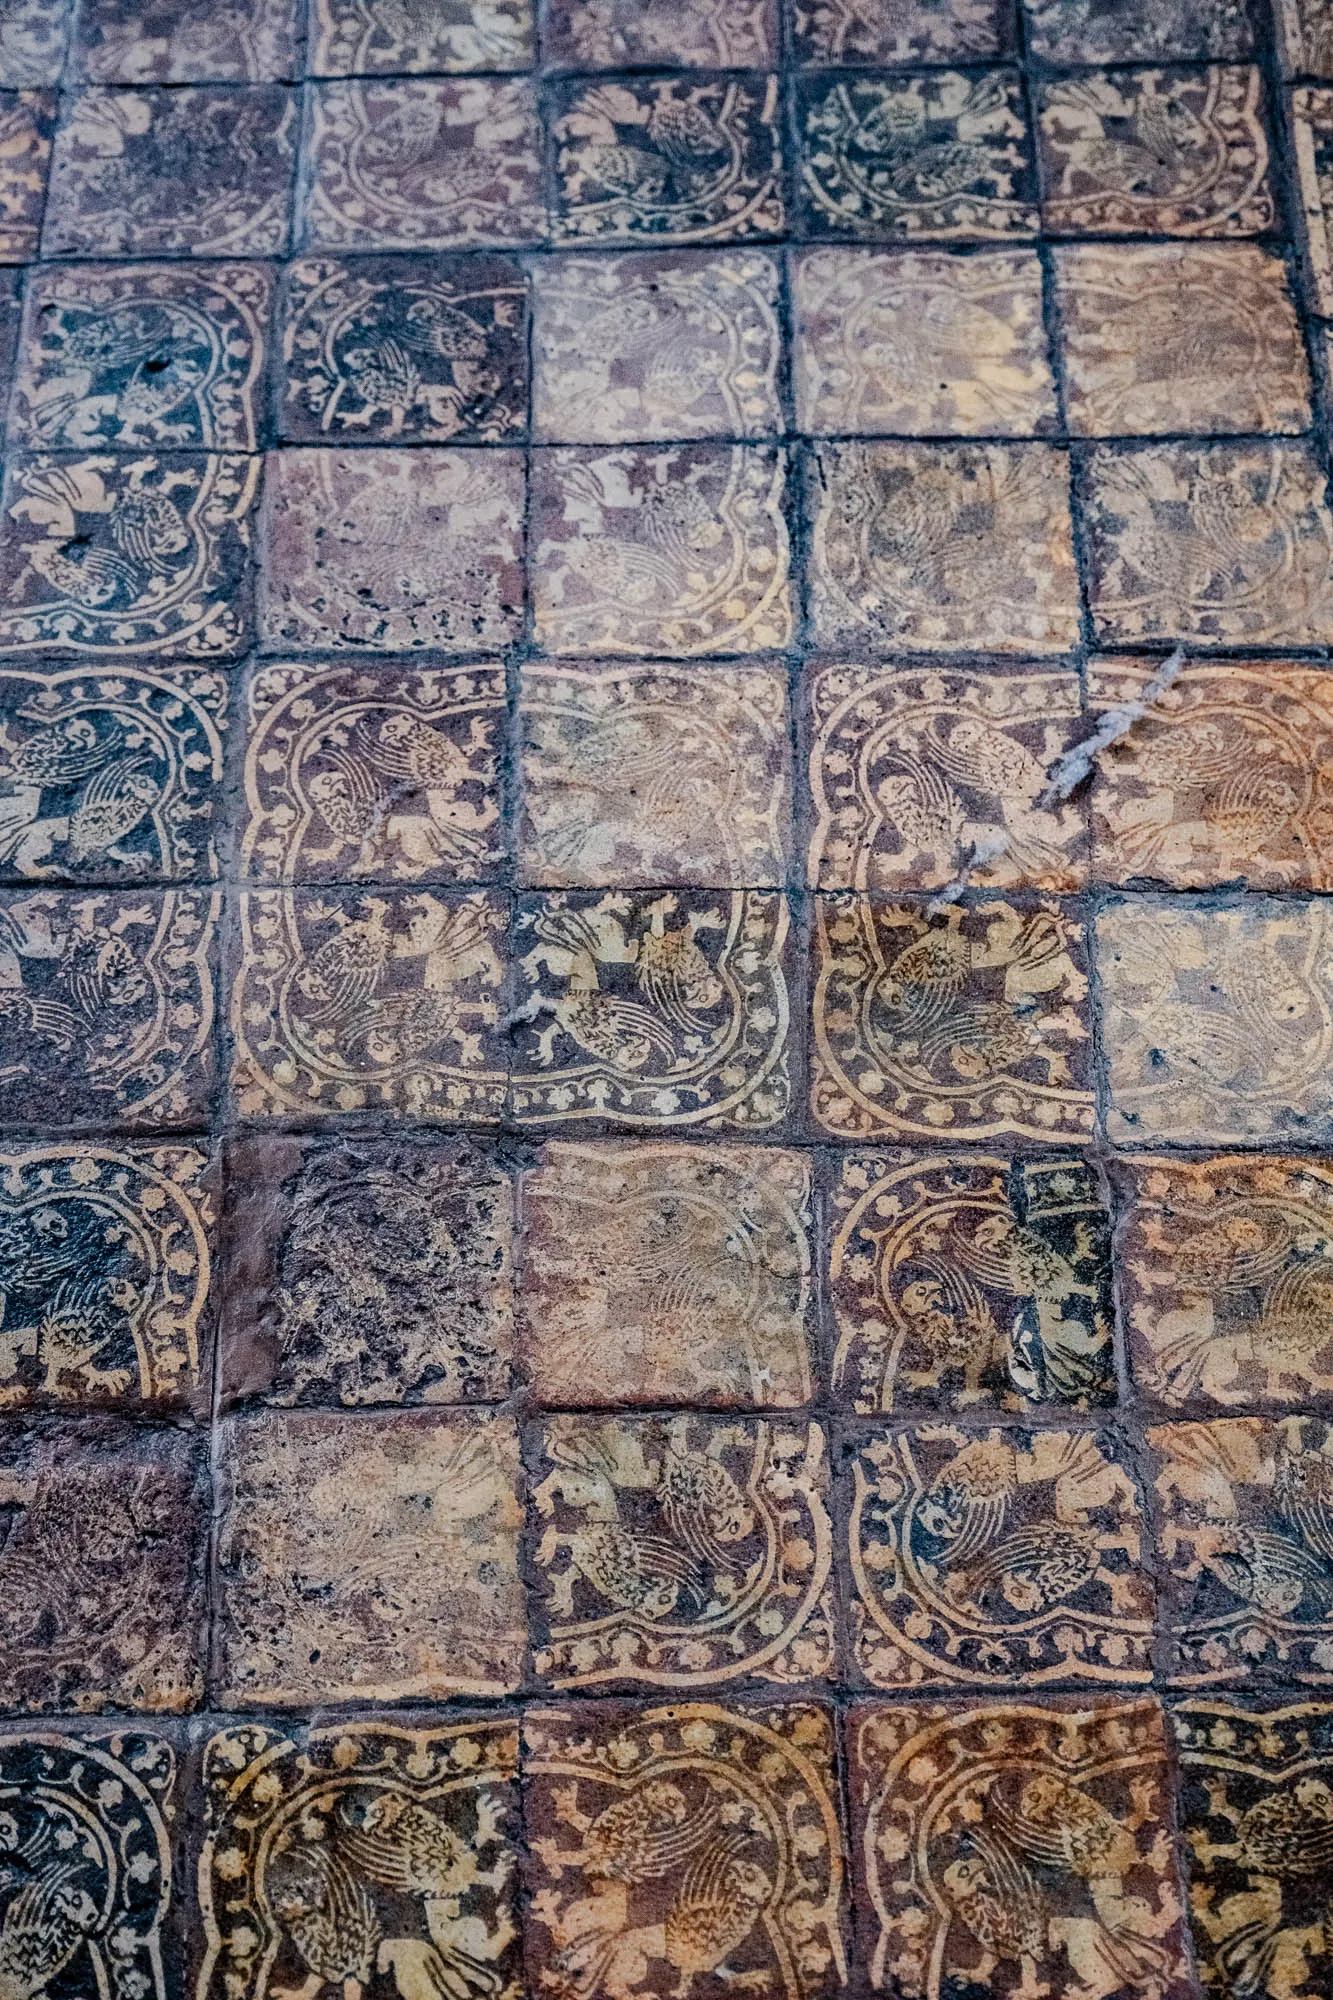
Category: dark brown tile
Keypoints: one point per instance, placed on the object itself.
(187, 41)
(1110, 31)
(27, 119)
(686, 34)
(370, 37)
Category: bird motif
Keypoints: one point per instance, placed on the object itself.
(1303, 1490)
(1269, 1570)
(381, 779)
(917, 796)
(146, 530)
(394, 363)
(342, 976)
(675, 986)
(715, 1908)
(1241, 790)
(1289, 1833)
(919, 998)
(1155, 150)
(324, 1909)
(1032, 1568)
(60, 753)
(675, 530)
(948, 1316)
(968, 1502)
(903, 152)
(79, 1322)
(1063, 1356)
(996, 1899)
(45, 1922)
(95, 969)
(115, 800)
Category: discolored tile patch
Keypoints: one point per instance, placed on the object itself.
(27, 119)
(173, 41)
(33, 35)
(868, 31)
(667, 1274)
(352, 37)
(1093, 31)
(690, 34)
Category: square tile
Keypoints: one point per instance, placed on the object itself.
(200, 173)
(943, 154)
(391, 550)
(27, 120)
(426, 349)
(422, 165)
(1304, 37)
(963, 1281)
(1110, 31)
(1155, 151)
(1230, 544)
(922, 342)
(680, 344)
(973, 1022)
(371, 37)
(680, 1552)
(106, 1006)
(33, 34)
(187, 41)
(871, 31)
(656, 1012)
(1179, 337)
(633, 776)
(372, 1558)
(668, 160)
(391, 775)
(680, 551)
(689, 34)
(1312, 131)
(368, 1271)
(667, 1274)
(942, 547)
(384, 1001)
(110, 778)
(921, 778)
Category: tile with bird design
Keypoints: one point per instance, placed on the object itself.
(1312, 130)
(960, 1281)
(673, 344)
(27, 120)
(388, 1001)
(1156, 151)
(998, 1558)
(365, 1271)
(378, 37)
(33, 37)
(941, 548)
(632, 776)
(1112, 31)
(891, 31)
(372, 1558)
(653, 1011)
(391, 549)
(1304, 37)
(971, 1023)
(667, 1274)
(177, 41)
(685, 34)
(667, 1844)
(388, 775)
(1017, 1850)
(377, 1843)
(681, 1552)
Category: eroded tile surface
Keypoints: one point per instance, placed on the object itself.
(177, 41)
(694, 34)
(351, 37)
(1109, 31)
(1312, 121)
(886, 31)
(33, 34)
(26, 122)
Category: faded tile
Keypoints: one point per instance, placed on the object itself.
(681, 1552)
(391, 775)
(889, 31)
(689, 34)
(1312, 132)
(27, 119)
(392, 550)
(680, 551)
(187, 41)
(422, 165)
(940, 547)
(670, 160)
(1109, 31)
(369, 1558)
(424, 349)
(388, 1001)
(677, 345)
(202, 172)
(110, 777)
(972, 1022)
(1228, 543)
(1159, 152)
(106, 1006)
(1179, 337)
(659, 1012)
(998, 1558)
(638, 775)
(921, 777)
(368, 1271)
(33, 34)
(352, 37)
(941, 154)
(921, 341)
(667, 1274)
(1304, 37)
(961, 1281)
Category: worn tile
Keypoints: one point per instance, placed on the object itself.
(352, 1001)
(942, 547)
(963, 1281)
(1304, 37)
(106, 1006)
(737, 1811)
(688, 34)
(1179, 337)
(1162, 152)
(33, 34)
(667, 1274)
(355, 37)
(920, 341)
(633, 776)
(668, 160)
(128, 555)
(1231, 544)
(972, 1022)
(424, 349)
(416, 1825)
(390, 775)
(1312, 133)
(1111, 31)
(368, 1271)
(889, 31)
(1008, 1847)
(422, 165)
(370, 1558)
(658, 1012)
(110, 777)
(680, 344)
(919, 778)
(391, 549)
(27, 119)
(187, 41)
(942, 154)
(680, 551)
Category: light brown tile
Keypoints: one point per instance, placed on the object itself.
(26, 121)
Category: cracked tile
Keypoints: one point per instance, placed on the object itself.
(180, 41)
(371, 37)
(687, 34)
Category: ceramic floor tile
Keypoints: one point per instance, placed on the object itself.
(887, 31)
(33, 37)
(1110, 31)
(1304, 37)
(26, 121)
(372, 37)
(690, 34)
(180, 41)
